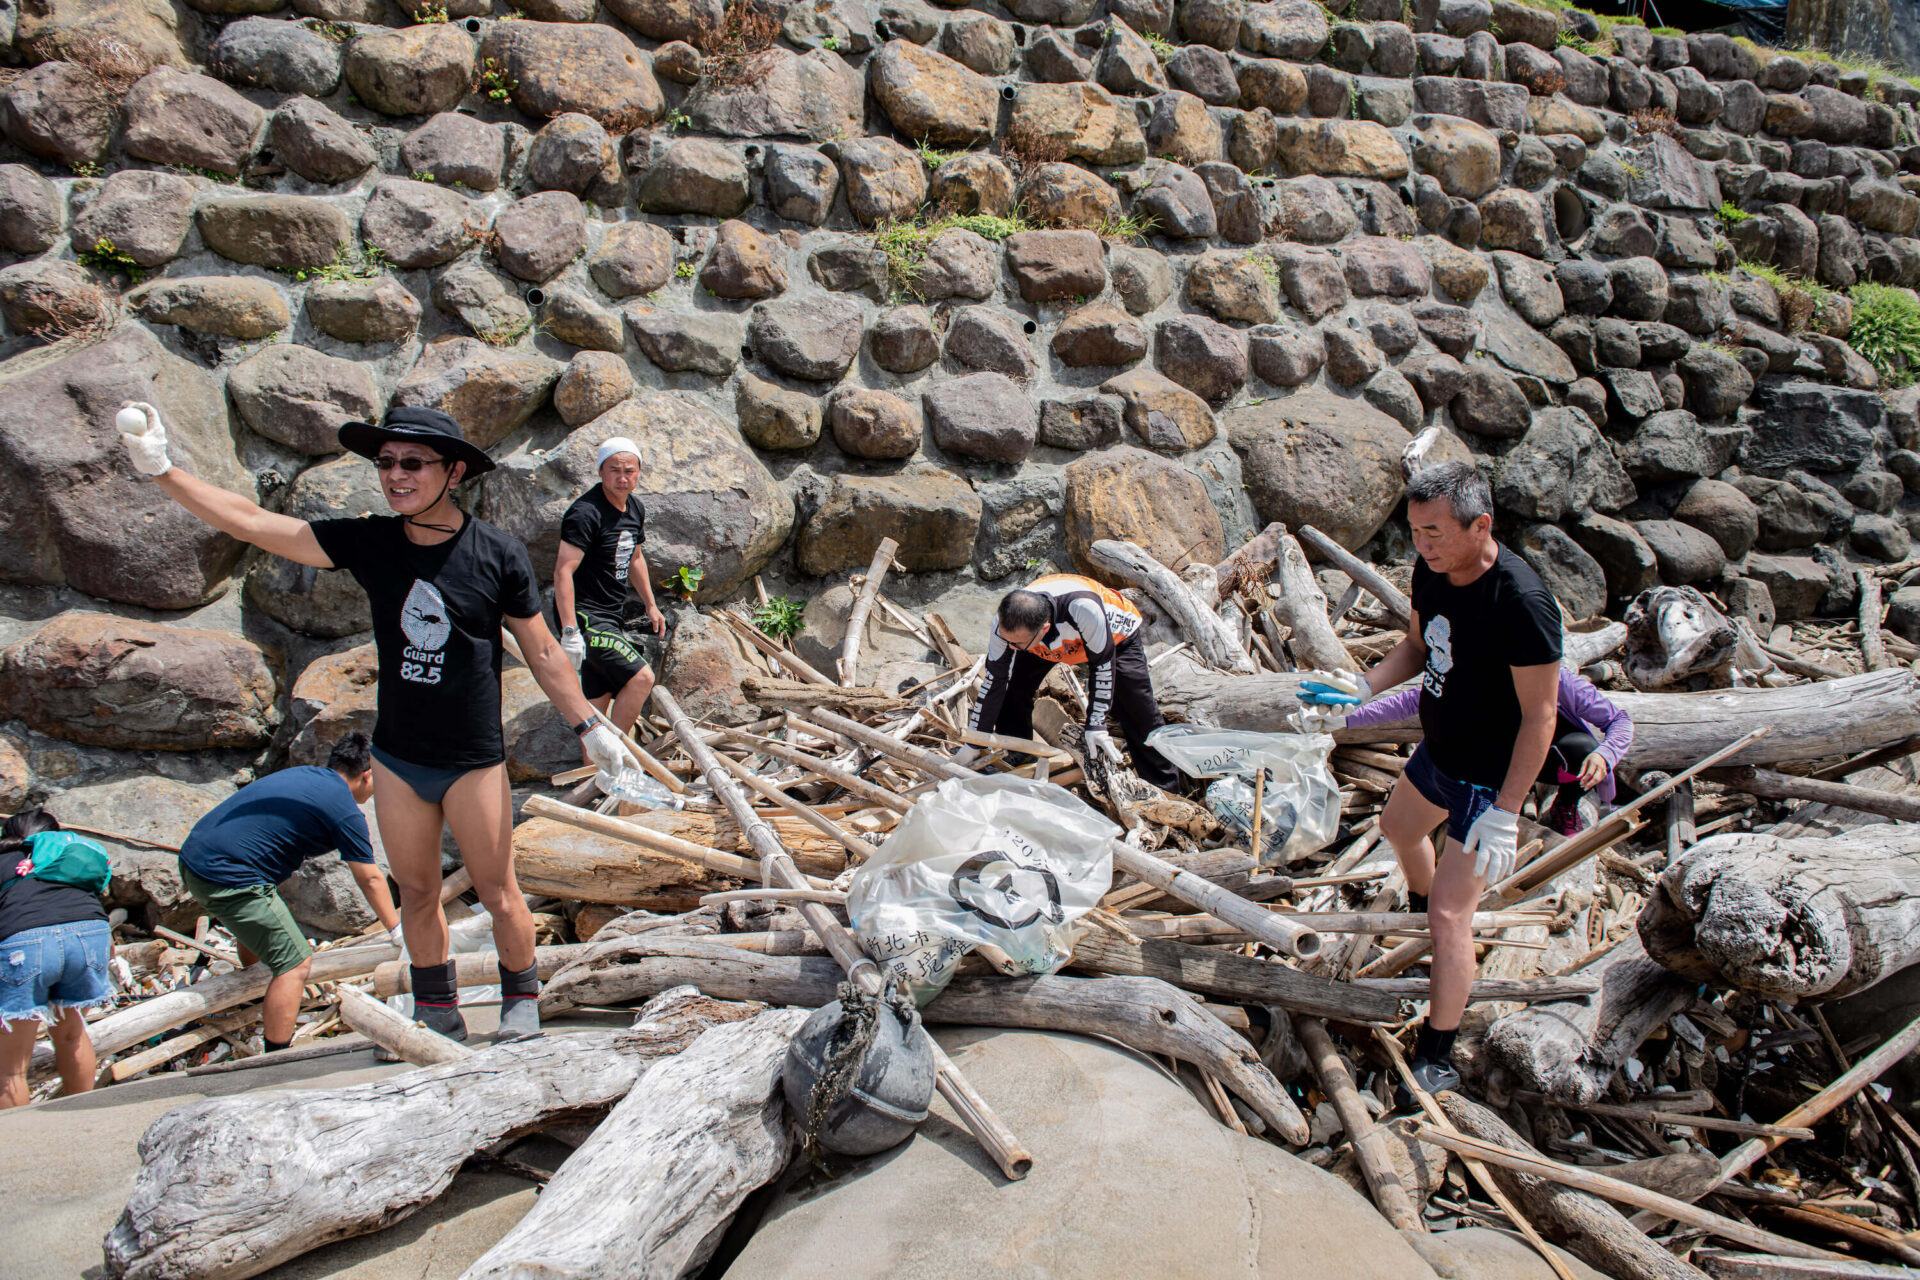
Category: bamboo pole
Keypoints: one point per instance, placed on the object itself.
(927, 762)
(778, 871)
(765, 644)
(862, 606)
(1363, 574)
(839, 777)
(1437, 1117)
(1367, 1138)
(853, 844)
(1273, 928)
(1786, 786)
(1599, 1184)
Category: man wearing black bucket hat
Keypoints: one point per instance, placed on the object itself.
(441, 585)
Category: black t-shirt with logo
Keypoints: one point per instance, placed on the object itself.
(436, 623)
(608, 538)
(1504, 618)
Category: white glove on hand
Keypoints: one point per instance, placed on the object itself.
(1318, 718)
(965, 756)
(1334, 688)
(1494, 839)
(608, 753)
(397, 939)
(573, 646)
(1102, 741)
(146, 447)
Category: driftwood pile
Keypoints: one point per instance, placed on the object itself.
(1645, 1036)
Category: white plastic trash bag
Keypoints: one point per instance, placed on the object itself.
(1300, 807)
(1002, 860)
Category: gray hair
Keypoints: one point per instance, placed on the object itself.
(1460, 483)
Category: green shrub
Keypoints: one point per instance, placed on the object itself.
(1886, 330)
(780, 617)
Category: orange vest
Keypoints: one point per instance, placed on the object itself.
(1122, 617)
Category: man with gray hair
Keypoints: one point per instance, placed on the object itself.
(1484, 640)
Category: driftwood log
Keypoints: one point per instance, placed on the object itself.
(233, 1186)
(1198, 622)
(1674, 634)
(1301, 604)
(1671, 730)
(859, 700)
(560, 859)
(1141, 1013)
(1790, 917)
(646, 1197)
(1570, 1049)
(1585, 1225)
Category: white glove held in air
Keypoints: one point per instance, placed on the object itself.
(573, 646)
(608, 753)
(146, 444)
(1102, 741)
(1494, 839)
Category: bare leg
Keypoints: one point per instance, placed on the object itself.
(1456, 892)
(16, 1051)
(632, 700)
(479, 808)
(72, 1053)
(1408, 822)
(410, 831)
(282, 1004)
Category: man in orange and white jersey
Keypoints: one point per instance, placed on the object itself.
(1067, 618)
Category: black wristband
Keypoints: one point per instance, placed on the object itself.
(580, 730)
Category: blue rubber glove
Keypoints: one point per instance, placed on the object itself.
(1335, 689)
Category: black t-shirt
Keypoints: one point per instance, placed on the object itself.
(27, 903)
(609, 538)
(1504, 618)
(436, 622)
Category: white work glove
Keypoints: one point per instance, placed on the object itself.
(1494, 840)
(1335, 689)
(396, 939)
(573, 646)
(146, 446)
(608, 753)
(1102, 741)
(965, 756)
(1313, 717)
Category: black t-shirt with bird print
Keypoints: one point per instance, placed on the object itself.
(437, 612)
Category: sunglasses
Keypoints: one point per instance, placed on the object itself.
(408, 465)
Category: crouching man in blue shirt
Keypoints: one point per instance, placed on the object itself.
(235, 858)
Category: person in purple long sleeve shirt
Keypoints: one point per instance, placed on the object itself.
(1589, 740)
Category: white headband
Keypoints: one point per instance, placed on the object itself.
(613, 445)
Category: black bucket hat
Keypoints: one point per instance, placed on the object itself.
(416, 425)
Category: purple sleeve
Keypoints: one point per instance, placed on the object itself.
(1582, 701)
(1403, 705)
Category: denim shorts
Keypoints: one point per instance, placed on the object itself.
(60, 966)
(1463, 801)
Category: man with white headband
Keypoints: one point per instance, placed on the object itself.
(599, 563)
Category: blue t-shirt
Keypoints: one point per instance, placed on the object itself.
(263, 832)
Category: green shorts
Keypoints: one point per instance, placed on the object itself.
(257, 917)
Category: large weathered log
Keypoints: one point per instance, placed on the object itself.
(1673, 634)
(1671, 730)
(1569, 1049)
(862, 700)
(1840, 795)
(1588, 1227)
(1198, 622)
(1141, 1013)
(557, 858)
(646, 1196)
(1251, 565)
(1790, 917)
(1303, 606)
(1391, 598)
(232, 1186)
